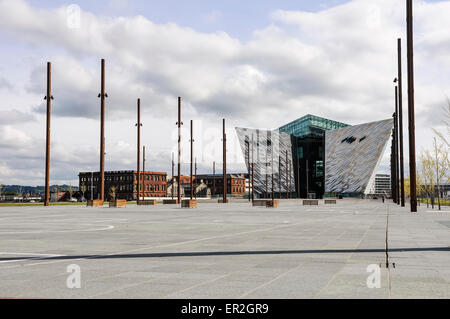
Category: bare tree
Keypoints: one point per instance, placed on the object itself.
(420, 186)
(441, 151)
(427, 174)
(446, 121)
(440, 164)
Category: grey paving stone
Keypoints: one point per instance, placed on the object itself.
(224, 251)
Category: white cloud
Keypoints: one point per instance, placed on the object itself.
(15, 116)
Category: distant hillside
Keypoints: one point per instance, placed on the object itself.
(34, 189)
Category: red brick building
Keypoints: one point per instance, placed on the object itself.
(214, 183)
(152, 184)
(235, 184)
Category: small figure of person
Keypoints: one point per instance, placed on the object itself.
(382, 198)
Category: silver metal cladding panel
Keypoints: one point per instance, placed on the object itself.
(352, 154)
(265, 152)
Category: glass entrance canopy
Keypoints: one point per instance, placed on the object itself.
(310, 125)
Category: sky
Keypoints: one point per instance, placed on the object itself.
(256, 63)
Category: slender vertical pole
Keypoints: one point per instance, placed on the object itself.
(267, 187)
(253, 169)
(214, 179)
(102, 133)
(412, 141)
(279, 176)
(192, 148)
(179, 150)
(224, 164)
(393, 166)
(397, 170)
(173, 177)
(143, 172)
(258, 159)
(195, 178)
(249, 170)
(271, 164)
(437, 174)
(298, 176)
(290, 179)
(48, 97)
(400, 121)
(307, 178)
(287, 175)
(393, 192)
(253, 182)
(138, 125)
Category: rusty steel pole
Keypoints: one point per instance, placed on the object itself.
(400, 121)
(192, 147)
(273, 193)
(248, 166)
(271, 164)
(179, 123)
(195, 177)
(224, 139)
(287, 175)
(393, 164)
(143, 172)
(48, 97)
(393, 192)
(298, 176)
(173, 166)
(307, 178)
(102, 96)
(279, 176)
(267, 187)
(411, 120)
(138, 125)
(253, 170)
(290, 177)
(253, 182)
(397, 169)
(214, 180)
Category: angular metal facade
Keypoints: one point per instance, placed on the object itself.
(267, 150)
(352, 155)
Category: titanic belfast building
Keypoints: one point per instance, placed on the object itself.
(314, 156)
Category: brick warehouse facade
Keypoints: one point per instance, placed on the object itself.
(235, 184)
(153, 184)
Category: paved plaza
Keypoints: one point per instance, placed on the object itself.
(225, 251)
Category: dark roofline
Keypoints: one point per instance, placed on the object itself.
(124, 172)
